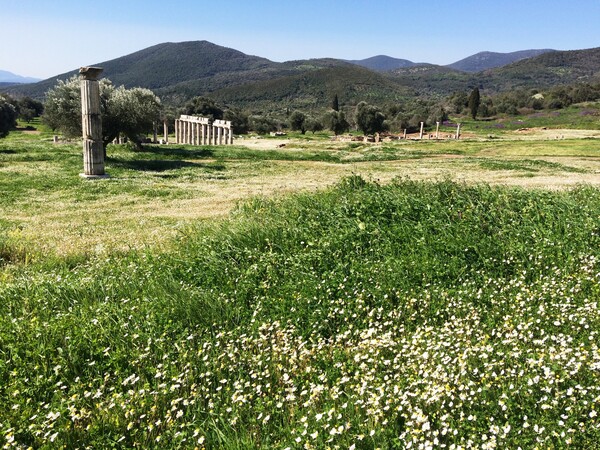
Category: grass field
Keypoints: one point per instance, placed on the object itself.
(316, 295)
(45, 209)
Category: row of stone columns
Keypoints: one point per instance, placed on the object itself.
(437, 131)
(193, 130)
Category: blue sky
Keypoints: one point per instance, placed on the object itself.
(42, 38)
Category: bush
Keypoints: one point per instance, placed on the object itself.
(8, 116)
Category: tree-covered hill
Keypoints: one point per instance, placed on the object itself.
(383, 63)
(489, 60)
(169, 64)
(546, 70)
(539, 72)
(430, 79)
(315, 89)
(180, 92)
(178, 72)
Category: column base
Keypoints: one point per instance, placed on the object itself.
(94, 177)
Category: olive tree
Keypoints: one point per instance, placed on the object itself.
(336, 122)
(298, 121)
(313, 124)
(203, 106)
(131, 112)
(128, 111)
(8, 116)
(369, 118)
(240, 122)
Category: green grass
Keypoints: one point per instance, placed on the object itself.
(366, 315)
(584, 116)
(46, 209)
(526, 165)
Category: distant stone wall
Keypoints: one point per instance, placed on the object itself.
(194, 130)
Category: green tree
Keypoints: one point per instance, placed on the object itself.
(131, 112)
(313, 124)
(240, 123)
(128, 111)
(262, 124)
(437, 114)
(62, 106)
(298, 121)
(369, 118)
(335, 103)
(336, 122)
(474, 102)
(29, 108)
(203, 106)
(458, 101)
(8, 116)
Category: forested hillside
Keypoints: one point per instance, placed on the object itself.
(178, 72)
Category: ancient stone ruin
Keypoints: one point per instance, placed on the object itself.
(194, 130)
(91, 123)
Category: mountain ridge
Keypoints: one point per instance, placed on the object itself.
(9, 77)
(179, 71)
(482, 61)
(382, 63)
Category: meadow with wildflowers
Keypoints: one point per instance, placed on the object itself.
(406, 315)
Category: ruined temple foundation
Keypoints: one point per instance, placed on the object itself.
(194, 130)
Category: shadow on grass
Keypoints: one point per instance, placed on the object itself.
(158, 165)
(180, 152)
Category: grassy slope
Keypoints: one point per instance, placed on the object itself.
(364, 314)
(432, 313)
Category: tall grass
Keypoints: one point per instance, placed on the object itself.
(365, 316)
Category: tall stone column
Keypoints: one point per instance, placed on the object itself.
(91, 123)
(421, 132)
(458, 131)
(219, 135)
(437, 130)
(166, 131)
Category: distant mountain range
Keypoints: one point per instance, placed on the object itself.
(383, 63)
(180, 71)
(490, 60)
(9, 77)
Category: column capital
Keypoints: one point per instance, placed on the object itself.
(90, 73)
